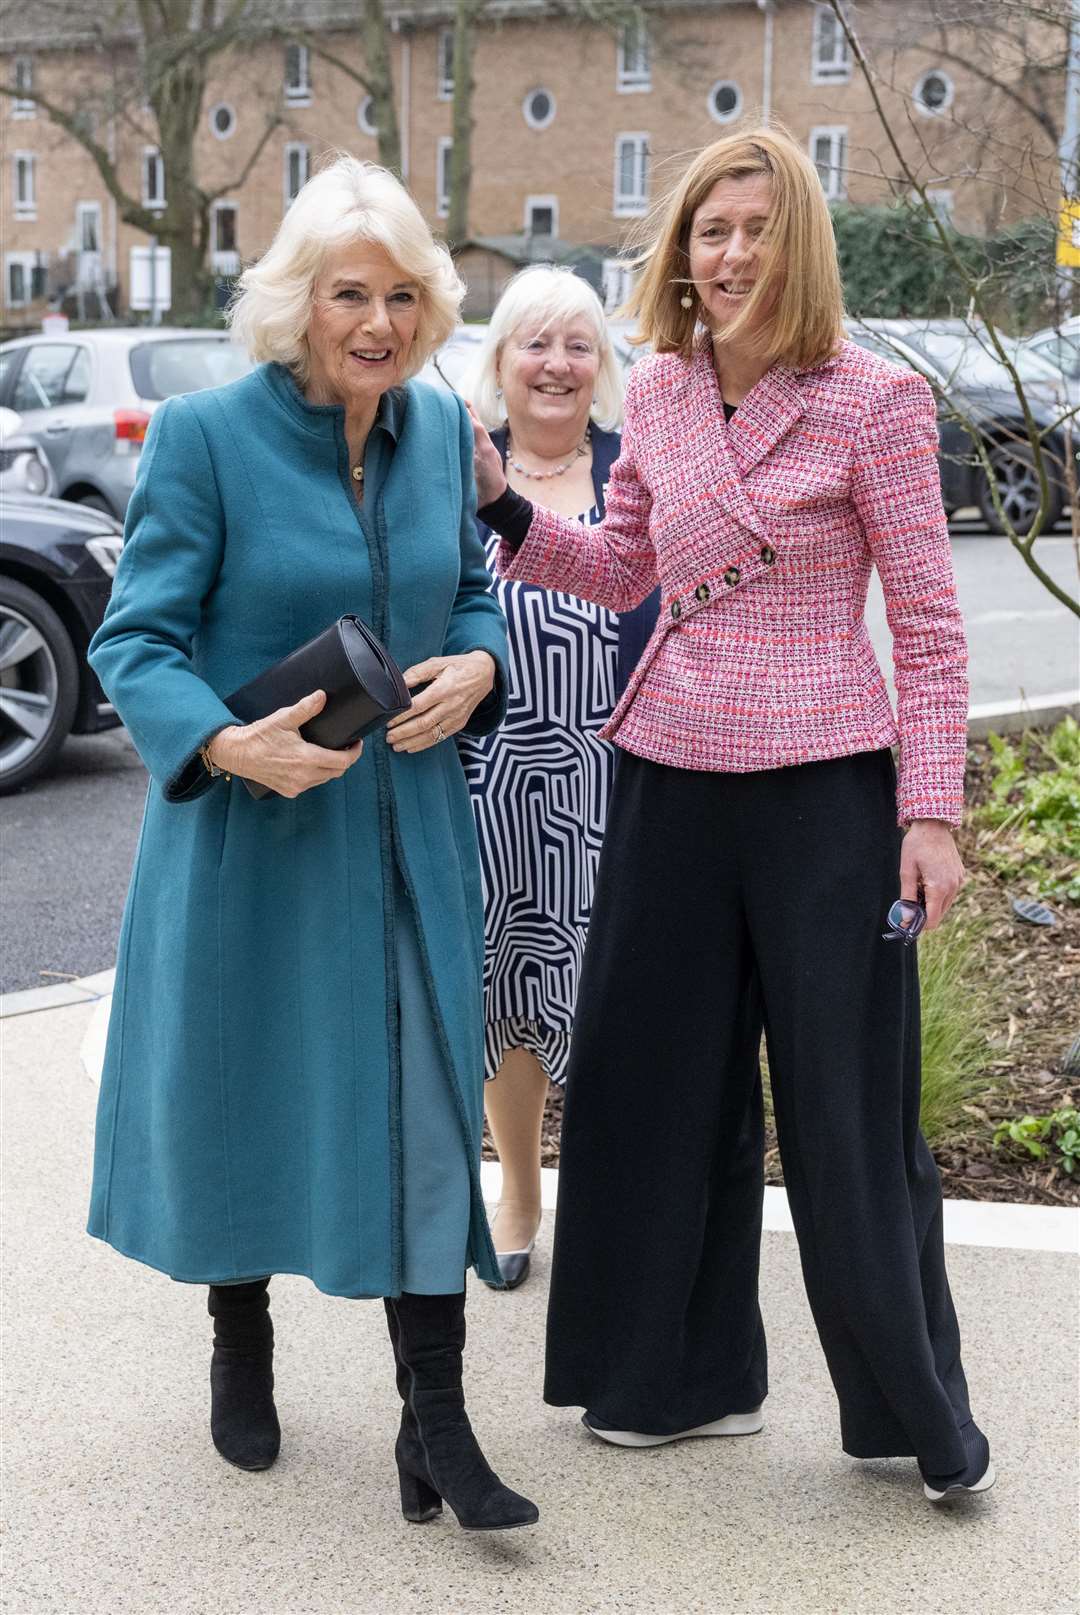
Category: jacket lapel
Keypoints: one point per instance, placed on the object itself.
(765, 416)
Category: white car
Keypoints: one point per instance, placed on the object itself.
(23, 466)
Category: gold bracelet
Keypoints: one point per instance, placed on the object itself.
(211, 767)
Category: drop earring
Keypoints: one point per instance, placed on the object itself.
(686, 300)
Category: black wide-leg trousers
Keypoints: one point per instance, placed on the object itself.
(725, 904)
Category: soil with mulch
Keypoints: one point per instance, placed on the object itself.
(1033, 1018)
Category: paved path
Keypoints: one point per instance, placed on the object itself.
(117, 1503)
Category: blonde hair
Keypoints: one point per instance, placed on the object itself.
(542, 295)
(345, 202)
(798, 246)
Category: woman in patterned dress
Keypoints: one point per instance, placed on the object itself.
(549, 380)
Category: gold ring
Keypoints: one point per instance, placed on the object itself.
(439, 735)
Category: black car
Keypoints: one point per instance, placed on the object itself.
(974, 391)
(57, 562)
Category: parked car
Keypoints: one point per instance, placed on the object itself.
(56, 569)
(23, 466)
(954, 360)
(87, 397)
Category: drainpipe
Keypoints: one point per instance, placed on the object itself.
(406, 101)
(767, 7)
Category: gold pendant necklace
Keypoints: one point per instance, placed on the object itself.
(358, 473)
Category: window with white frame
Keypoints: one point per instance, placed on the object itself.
(25, 185)
(541, 215)
(24, 278)
(88, 226)
(153, 178)
(830, 57)
(23, 104)
(538, 109)
(934, 93)
(297, 75)
(365, 116)
(631, 175)
(725, 101)
(222, 120)
(442, 176)
(444, 65)
(297, 165)
(828, 149)
(617, 280)
(633, 69)
(223, 250)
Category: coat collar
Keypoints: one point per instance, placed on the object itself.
(768, 412)
(324, 419)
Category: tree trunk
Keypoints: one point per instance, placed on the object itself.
(457, 225)
(380, 73)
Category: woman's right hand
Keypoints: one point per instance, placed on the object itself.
(272, 752)
(487, 463)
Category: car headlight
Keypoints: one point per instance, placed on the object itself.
(35, 475)
(105, 549)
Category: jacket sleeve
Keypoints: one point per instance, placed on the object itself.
(897, 493)
(614, 563)
(142, 653)
(476, 619)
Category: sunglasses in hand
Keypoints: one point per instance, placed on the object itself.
(905, 921)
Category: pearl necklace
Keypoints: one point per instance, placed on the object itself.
(544, 476)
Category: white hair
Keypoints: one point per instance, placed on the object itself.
(540, 296)
(345, 202)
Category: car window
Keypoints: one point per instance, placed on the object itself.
(1063, 352)
(163, 369)
(77, 380)
(8, 361)
(41, 380)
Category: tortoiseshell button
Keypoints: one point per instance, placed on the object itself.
(768, 555)
(702, 592)
(676, 609)
(732, 576)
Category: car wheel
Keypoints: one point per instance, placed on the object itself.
(39, 684)
(1013, 465)
(94, 501)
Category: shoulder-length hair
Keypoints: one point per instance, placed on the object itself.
(798, 247)
(345, 202)
(539, 296)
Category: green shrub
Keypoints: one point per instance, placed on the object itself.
(1055, 1137)
(1032, 820)
(954, 1020)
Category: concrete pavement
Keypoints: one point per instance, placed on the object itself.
(117, 1502)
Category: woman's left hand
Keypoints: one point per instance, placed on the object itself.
(456, 685)
(929, 861)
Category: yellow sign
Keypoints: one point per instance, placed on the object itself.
(1068, 246)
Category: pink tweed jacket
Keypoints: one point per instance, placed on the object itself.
(762, 532)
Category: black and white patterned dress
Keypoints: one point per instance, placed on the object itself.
(540, 787)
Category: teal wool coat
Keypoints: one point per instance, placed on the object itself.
(249, 1118)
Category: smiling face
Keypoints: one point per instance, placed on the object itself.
(363, 322)
(548, 374)
(725, 248)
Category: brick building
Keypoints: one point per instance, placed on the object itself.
(576, 127)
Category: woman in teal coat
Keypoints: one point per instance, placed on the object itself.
(293, 1082)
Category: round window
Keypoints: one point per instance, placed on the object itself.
(222, 120)
(725, 101)
(365, 116)
(539, 108)
(934, 92)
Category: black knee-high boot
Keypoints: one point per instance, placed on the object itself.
(243, 1419)
(437, 1453)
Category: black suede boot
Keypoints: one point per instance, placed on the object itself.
(243, 1419)
(437, 1454)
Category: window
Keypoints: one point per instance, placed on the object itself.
(444, 65)
(297, 164)
(618, 281)
(442, 176)
(631, 175)
(725, 100)
(153, 178)
(830, 61)
(44, 378)
(828, 148)
(365, 117)
(223, 253)
(632, 67)
(24, 279)
(541, 215)
(539, 108)
(297, 75)
(23, 104)
(88, 226)
(942, 204)
(934, 92)
(222, 121)
(25, 185)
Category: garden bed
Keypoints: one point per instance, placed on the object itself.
(1025, 979)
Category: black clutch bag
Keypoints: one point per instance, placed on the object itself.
(363, 684)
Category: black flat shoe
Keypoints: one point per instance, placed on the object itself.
(514, 1267)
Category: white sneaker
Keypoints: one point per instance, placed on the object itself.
(735, 1424)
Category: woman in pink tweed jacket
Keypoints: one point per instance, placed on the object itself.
(752, 853)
